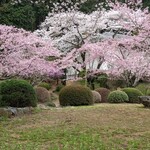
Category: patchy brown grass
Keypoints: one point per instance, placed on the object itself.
(98, 127)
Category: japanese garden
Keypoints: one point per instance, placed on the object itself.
(74, 75)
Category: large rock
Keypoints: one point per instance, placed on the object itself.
(145, 100)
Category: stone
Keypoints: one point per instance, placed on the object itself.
(26, 110)
(13, 111)
(42, 106)
(50, 104)
(145, 100)
(20, 111)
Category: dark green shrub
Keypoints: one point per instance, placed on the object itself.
(104, 94)
(102, 80)
(96, 97)
(144, 88)
(75, 96)
(118, 97)
(114, 84)
(42, 94)
(45, 85)
(133, 94)
(17, 93)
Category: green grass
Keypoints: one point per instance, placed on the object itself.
(98, 127)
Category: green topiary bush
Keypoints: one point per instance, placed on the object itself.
(96, 97)
(17, 93)
(118, 97)
(148, 92)
(144, 88)
(45, 85)
(133, 94)
(42, 94)
(104, 94)
(75, 96)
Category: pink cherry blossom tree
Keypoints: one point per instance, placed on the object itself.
(114, 37)
(24, 54)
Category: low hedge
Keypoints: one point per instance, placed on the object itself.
(118, 97)
(75, 96)
(133, 94)
(17, 93)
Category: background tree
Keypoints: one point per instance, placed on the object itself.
(29, 14)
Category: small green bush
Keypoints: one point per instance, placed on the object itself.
(148, 92)
(42, 94)
(133, 94)
(75, 96)
(102, 80)
(45, 85)
(104, 94)
(144, 88)
(118, 97)
(17, 93)
(114, 84)
(96, 97)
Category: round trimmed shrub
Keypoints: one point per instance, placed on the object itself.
(133, 94)
(144, 88)
(45, 85)
(17, 93)
(42, 94)
(75, 96)
(148, 92)
(104, 94)
(96, 97)
(118, 97)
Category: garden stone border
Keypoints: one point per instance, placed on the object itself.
(13, 111)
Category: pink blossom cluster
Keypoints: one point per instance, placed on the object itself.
(22, 53)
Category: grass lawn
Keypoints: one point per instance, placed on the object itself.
(98, 127)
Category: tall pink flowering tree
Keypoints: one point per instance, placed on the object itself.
(24, 54)
(114, 37)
